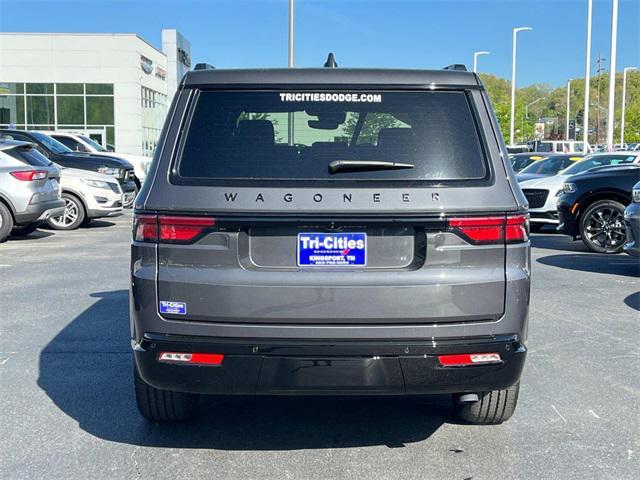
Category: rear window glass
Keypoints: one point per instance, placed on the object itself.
(297, 135)
(599, 161)
(29, 156)
(549, 166)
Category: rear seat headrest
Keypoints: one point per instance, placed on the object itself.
(395, 136)
(257, 131)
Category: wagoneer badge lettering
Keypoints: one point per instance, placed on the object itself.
(319, 198)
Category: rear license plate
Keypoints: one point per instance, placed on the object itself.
(332, 249)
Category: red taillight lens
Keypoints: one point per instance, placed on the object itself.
(170, 228)
(191, 358)
(465, 359)
(30, 175)
(175, 229)
(488, 230)
(517, 228)
(145, 228)
(479, 230)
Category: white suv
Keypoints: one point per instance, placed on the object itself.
(87, 195)
(82, 143)
(542, 193)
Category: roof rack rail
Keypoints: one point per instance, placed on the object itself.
(204, 66)
(460, 67)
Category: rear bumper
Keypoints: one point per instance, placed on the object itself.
(38, 212)
(297, 367)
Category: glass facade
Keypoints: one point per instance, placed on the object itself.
(154, 110)
(53, 106)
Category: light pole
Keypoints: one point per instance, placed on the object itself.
(599, 70)
(566, 132)
(290, 117)
(587, 78)
(624, 100)
(513, 81)
(526, 112)
(612, 74)
(291, 6)
(475, 59)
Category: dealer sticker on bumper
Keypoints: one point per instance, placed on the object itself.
(332, 249)
(175, 308)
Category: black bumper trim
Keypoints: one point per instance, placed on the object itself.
(329, 367)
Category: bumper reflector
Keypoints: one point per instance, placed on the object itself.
(191, 358)
(462, 360)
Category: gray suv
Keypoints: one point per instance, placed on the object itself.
(330, 232)
(29, 189)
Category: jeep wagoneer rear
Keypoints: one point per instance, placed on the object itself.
(330, 232)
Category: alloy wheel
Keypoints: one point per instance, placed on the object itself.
(605, 228)
(69, 216)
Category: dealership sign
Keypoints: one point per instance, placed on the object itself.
(146, 64)
(184, 57)
(161, 73)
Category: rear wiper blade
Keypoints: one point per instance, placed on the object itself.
(337, 166)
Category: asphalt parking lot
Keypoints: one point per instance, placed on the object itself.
(68, 409)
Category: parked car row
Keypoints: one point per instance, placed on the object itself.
(586, 199)
(112, 165)
(42, 181)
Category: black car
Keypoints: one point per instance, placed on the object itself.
(592, 206)
(64, 156)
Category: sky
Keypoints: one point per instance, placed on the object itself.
(371, 33)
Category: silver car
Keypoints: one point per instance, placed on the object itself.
(29, 189)
(632, 223)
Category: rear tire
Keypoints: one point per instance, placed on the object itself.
(493, 407)
(24, 230)
(602, 227)
(6, 222)
(162, 405)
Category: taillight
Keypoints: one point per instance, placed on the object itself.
(517, 228)
(30, 175)
(494, 229)
(170, 228)
(479, 230)
(191, 358)
(145, 228)
(465, 359)
(175, 229)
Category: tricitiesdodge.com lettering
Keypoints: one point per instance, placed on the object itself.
(331, 97)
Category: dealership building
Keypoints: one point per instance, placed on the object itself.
(115, 87)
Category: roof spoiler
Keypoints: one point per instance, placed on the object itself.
(204, 66)
(331, 61)
(460, 67)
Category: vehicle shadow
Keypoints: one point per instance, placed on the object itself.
(98, 224)
(557, 242)
(86, 371)
(620, 264)
(37, 234)
(633, 301)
